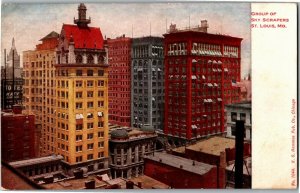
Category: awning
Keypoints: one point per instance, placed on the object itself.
(194, 126)
(209, 84)
(153, 69)
(79, 116)
(219, 62)
(158, 69)
(215, 62)
(219, 99)
(215, 84)
(153, 98)
(225, 70)
(209, 61)
(203, 77)
(100, 114)
(194, 77)
(194, 61)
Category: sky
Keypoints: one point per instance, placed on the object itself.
(30, 22)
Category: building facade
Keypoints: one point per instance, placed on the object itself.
(81, 72)
(201, 72)
(119, 77)
(239, 111)
(18, 133)
(39, 89)
(147, 82)
(127, 148)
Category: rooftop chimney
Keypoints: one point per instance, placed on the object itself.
(91, 184)
(17, 109)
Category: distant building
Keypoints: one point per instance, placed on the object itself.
(39, 89)
(245, 89)
(127, 148)
(12, 59)
(201, 70)
(11, 80)
(19, 133)
(179, 173)
(239, 111)
(119, 80)
(147, 82)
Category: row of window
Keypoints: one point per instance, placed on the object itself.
(90, 146)
(89, 104)
(79, 127)
(90, 157)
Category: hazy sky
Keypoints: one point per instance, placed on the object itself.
(28, 23)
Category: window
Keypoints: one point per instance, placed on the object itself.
(90, 83)
(100, 134)
(90, 104)
(233, 116)
(78, 72)
(100, 93)
(78, 83)
(100, 124)
(90, 156)
(90, 59)
(90, 72)
(90, 136)
(101, 144)
(78, 148)
(243, 117)
(90, 115)
(78, 94)
(100, 82)
(78, 105)
(100, 154)
(79, 127)
(79, 159)
(78, 137)
(78, 59)
(100, 72)
(90, 146)
(90, 125)
(90, 94)
(100, 103)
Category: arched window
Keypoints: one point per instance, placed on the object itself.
(100, 59)
(90, 59)
(78, 58)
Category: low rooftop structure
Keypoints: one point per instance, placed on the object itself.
(181, 163)
(40, 160)
(214, 145)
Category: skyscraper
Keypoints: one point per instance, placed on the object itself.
(147, 82)
(82, 96)
(202, 70)
(119, 53)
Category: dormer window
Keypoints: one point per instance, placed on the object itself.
(90, 59)
(78, 58)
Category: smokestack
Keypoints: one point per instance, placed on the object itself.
(239, 154)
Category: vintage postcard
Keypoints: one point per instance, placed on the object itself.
(148, 95)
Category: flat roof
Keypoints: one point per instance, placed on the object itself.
(176, 161)
(33, 161)
(214, 145)
(179, 149)
(246, 105)
(149, 183)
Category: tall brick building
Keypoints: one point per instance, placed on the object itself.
(39, 89)
(147, 82)
(19, 134)
(66, 87)
(82, 96)
(119, 54)
(201, 70)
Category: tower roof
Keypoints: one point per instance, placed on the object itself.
(85, 38)
(53, 34)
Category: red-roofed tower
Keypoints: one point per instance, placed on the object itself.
(82, 96)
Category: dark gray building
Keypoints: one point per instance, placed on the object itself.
(147, 82)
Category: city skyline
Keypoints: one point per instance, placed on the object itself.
(44, 18)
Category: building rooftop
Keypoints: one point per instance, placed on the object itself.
(245, 105)
(214, 145)
(181, 163)
(129, 133)
(52, 34)
(148, 183)
(40, 160)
